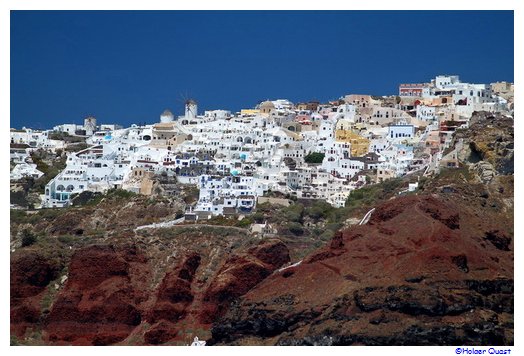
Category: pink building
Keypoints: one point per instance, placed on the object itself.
(411, 89)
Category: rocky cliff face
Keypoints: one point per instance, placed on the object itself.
(31, 274)
(240, 274)
(490, 140)
(100, 303)
(426, 270)
(112, 296)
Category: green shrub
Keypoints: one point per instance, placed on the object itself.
(314, 157)
(66, 239)
(58, 135)
(86, 198)
(245, 222)
(335, 226)
(50, 171)
(28, 238)
(295, 228)
(319, 210)
(19, 198)
(422, 182)
(76, 147)
(357, 194)
(327, 235)
(258, 217)
(120, 193)
(221, 220)
(18, 216)
(317, 231)
(293, 213)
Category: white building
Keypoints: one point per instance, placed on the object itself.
(446, 81)
(400, 132)
(70, 129)
(283, 104)
(25, 170)
(218, 114)
(337, 160)
(426, 112)
(229, 194)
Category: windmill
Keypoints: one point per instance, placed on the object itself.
(190, 106)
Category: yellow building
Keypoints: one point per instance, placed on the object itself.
(249, 112)
(359, 144)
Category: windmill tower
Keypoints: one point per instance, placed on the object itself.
(191, 109)
(90, 125)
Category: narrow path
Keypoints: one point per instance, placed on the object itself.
(169, 223)
(290, 266)
(366, 217)
(174, 224)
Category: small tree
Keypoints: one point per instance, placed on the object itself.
(258, 217)
(28, 238)
(319, 210)
(292, 213)
(314, 157)
(295, 228)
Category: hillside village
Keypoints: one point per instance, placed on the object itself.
(362, 221)
(307, 150)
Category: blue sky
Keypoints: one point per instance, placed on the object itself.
(128, 66)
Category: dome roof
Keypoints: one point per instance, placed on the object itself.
(267, 104)
(167, 112)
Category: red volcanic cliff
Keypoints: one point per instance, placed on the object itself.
(173, 297)
(425, 270)
(111, 295)
(100, 303)
(240, 274)
(31, 273)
